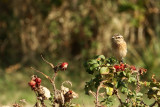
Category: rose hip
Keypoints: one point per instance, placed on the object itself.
(64, 65)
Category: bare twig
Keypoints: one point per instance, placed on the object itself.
(97, 95)
(93, 93)
(102, 94)
(116, 93)
(127, 100)
(52, 66)
(55, 74)
(42, 74)
(54, 85)
(51, 80)
(138, 84)
(42, 103)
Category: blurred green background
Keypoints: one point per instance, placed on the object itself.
(72, 31)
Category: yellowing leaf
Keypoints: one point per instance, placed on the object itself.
(109, 91)
(104, 70)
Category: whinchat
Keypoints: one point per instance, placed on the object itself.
(119, 47)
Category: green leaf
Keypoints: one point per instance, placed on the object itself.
(95, 66)
(100, 57)
(132, 79)
(155, 88)
(118, 84)
(139, 94)
(104, 70)
(124, 90)
(92, 61)
(158, 93)
(111, 60)
(124, 73)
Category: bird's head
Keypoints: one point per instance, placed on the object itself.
(117, 38)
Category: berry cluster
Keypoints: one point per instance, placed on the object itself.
(42, 92)
(35, 82)
(60, 97)
(132, 67)
(122, 67)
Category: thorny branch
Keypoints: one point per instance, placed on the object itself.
(54, 85)
(61, 97)
(116, 93)
(94, 94)
(127, 100)
(97, 95)
(52, 66)
(138, 84)
(42, 74)
(55, 74)
(51, 80)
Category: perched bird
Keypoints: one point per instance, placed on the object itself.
(119, 47)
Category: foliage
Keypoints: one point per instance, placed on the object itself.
(110, 79)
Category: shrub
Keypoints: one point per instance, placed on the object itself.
(59, 97)
(112, 80)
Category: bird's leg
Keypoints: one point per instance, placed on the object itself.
(121, 61)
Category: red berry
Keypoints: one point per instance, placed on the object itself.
(64, 65)
(32, 83)
(116, 66)
(119, 68)
(122, 68)
(132, 67)
(70, 91)
(38, 80)
(142, 70)
(33, 86)
(122, 65)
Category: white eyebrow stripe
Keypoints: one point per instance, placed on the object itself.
(119, 36)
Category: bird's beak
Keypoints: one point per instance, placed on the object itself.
(112, 37)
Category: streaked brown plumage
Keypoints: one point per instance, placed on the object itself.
(119, 47)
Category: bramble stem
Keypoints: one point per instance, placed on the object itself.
(97, 95)
(138, 85)
(42, 103)
(52, 66)
(93, 93)
(51, 80)
(116, 93)
(42, 74)
(54, 85)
